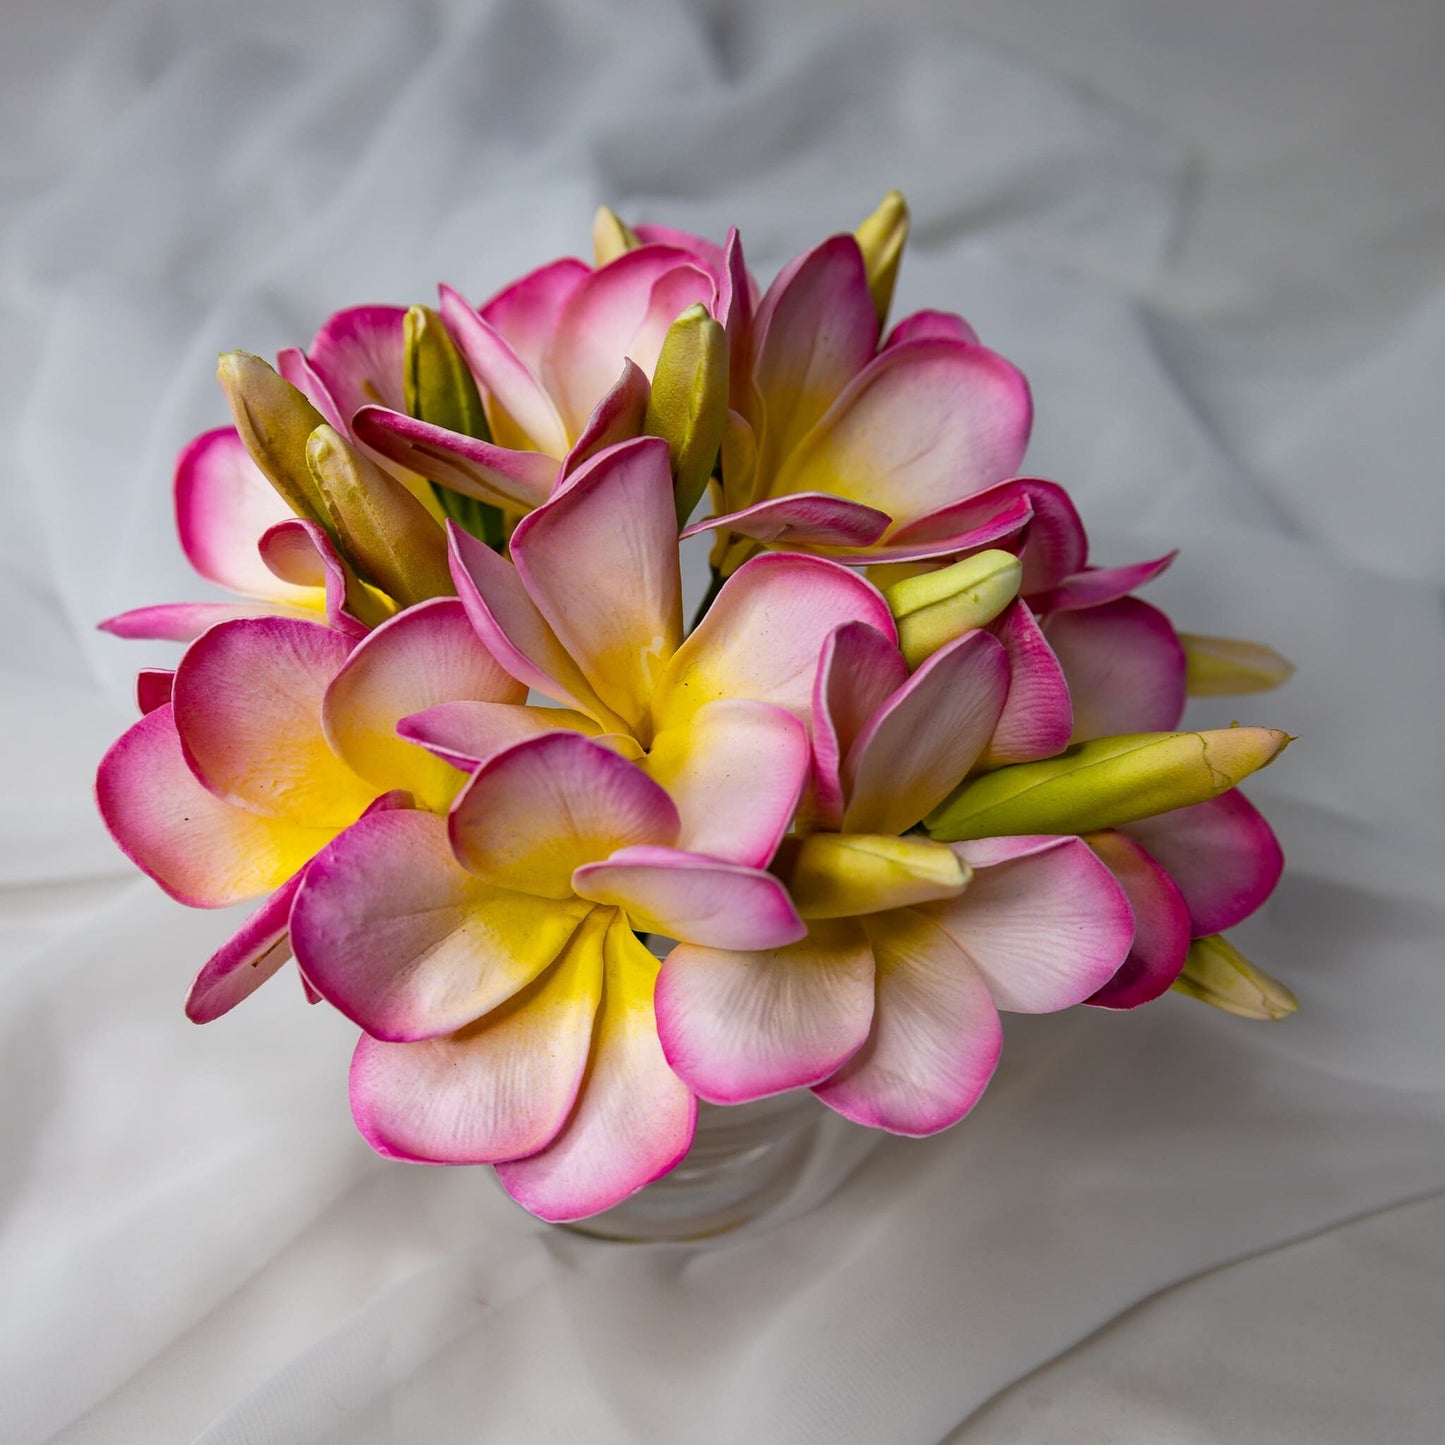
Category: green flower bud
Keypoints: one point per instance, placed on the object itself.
(440, 390)
(933, 608)
(275, 421)
(1104, 783)
(1228, 667)
(611, 236)
(841, 875)
(881, 239)
(1218, 974)
(383, 531)
(688, 406)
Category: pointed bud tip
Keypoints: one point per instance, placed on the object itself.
(1217, 973)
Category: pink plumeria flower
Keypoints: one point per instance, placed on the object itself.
(869, 453)
(589, 614)
(563, 359)
(238, 533)
(889, 1008)
(492, 961)
(274, 735)
(234, 528)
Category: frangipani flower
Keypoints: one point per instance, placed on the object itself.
(563, 360)
(278, 736)
(889, 1008)
(506, 999)
(284, 510)
(839, 446)
(238, 533)
(589, 613)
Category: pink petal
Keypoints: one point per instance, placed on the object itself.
(935, 1039)
(514, 631)
(499, 475)
(299, 552)
(467, 733)
(621, 310)
(924, 424)
(223, 505)
(502, 1087)
(1124, 665)
(185, 621)
(1057, 543)
(708, 253)
(693, 898)
(736, 302)
(295, 368)
(740, 1026)
(360, 356)
(202, 851)
(1043, 920)
(600, 560)
(803, 519)
(919, 745)
(536, 812)
(1096, 585)
(996, 518)
(428, 654)
(248, 709)
(618, 417)
(408, 944)
(1222, 855)
(815, 330)
(634, 1117)
(1161, 925)
(525, 314)
(519, 411)
(246, 960)
(735, 772)
(259, 947)
(763, 636)
(153, 688)
(928, 325)
(858, 672)
(1038, 717)
(672, 293)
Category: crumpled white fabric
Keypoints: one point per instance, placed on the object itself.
(197, 1247)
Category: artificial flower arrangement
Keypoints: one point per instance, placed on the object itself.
(916, 761)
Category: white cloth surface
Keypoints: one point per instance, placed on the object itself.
(1214, 236)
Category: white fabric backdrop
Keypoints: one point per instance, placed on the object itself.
(1215, 238)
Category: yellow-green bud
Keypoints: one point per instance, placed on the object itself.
(933, 608)
(438, 382)
(840, 875)
(1218, 974)
(881, 239)
(611, 236)
(1104, 783)
(440, 390)
(688, 406)
(1228, 667)
(384, 532)
(275, 421)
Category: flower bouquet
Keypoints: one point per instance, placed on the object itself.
(915, 761)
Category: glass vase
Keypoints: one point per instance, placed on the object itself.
(744, 1160)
